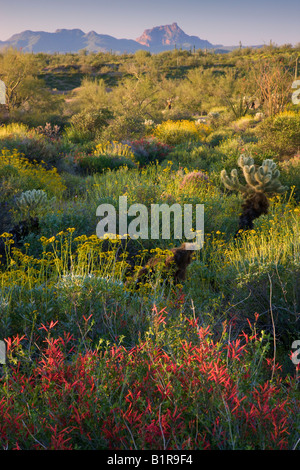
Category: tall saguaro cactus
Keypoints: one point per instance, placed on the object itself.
(260, 181)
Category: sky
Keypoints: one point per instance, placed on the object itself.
(226, 22)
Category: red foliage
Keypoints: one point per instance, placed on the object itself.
(142, 398)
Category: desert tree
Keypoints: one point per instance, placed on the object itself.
(272, 80)
(90, 96)
(27, 96)
(19, 72)
(196, 93)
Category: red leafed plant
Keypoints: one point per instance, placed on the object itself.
(192, 393)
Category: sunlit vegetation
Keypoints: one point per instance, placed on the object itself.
(95, 360)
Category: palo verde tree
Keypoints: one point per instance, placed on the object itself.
(17, 70)
(25, 90)
(197, 92)
(261, 182)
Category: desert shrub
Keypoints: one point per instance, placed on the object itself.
(13, 129)
(75, 184)
(176, 132)
(20, 175)
(34, 147)
(249, 137)
(290, 174)
(76, 136)
(280, 134)
(73, 213)
(36, 118)
(108, 186)
(148, 150)
(232, 147)
(218, 136)
(243, 124)
(181, 154)
(144, 193)
(124, 127)
(111, 155)
(261, 263)
(87, 125)
(90, 164)
(8, 171)
(37, 145)
(218, 117)
(199, 157)
(115, 149)
(258, 152)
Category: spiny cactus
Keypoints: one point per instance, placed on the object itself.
(30, 200)
(260, 181)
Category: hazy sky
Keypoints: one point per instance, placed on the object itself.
(219, 21)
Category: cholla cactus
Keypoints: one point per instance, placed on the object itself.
(258, 179)
(260, 182)
(31, 200)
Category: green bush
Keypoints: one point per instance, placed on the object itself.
(243, 124)
(202, 158)
(75, 184)
(87, 125)
(232, 147)
(280, 134)
(290, 174)
(111, 155)
(215, 138)
(76, 213)
(90, 164)
(124, 127)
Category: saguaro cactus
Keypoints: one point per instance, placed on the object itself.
(260, 181)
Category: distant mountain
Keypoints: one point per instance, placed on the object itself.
(70, 40)
(167, 37)
(158, 39)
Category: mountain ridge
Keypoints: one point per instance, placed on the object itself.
(156, 39)
(171, 35)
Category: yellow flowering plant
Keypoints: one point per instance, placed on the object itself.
(177, 132)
